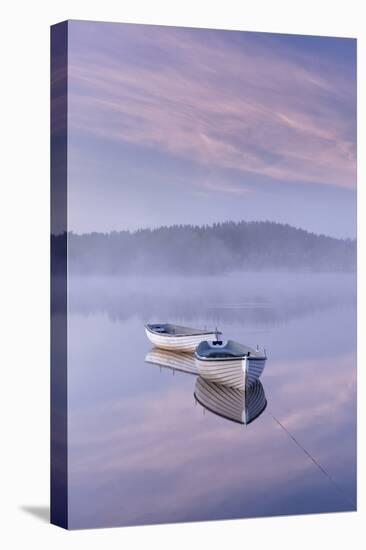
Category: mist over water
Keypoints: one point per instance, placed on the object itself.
(249, 298)
(141, 450)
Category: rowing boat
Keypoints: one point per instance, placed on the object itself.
(229, 363)
(178, 338)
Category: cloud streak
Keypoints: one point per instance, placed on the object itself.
(204, 97)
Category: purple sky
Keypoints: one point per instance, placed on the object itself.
(174, 125)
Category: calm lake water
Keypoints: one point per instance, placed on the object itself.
(141, 450)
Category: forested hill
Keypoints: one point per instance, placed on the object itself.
(218, 248)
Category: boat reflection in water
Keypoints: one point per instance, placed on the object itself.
(234, 404)
(183, 362)
(241, 406)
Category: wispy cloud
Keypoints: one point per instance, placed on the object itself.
(213, 184)
(236, 106)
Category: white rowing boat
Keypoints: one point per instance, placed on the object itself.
(229, 363)
(241, 406)
(174, 337)
(183, 362)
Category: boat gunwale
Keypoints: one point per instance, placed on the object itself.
(170, 335)
(231, 358)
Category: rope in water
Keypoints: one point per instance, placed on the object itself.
(339, 489)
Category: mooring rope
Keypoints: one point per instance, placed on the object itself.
(309, 455)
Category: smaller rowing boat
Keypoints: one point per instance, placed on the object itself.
(229, 363)
(178, 338)
(242, 406)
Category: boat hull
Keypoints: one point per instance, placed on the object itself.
(236, 373)
(177, 343)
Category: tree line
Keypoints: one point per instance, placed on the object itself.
(207, 249)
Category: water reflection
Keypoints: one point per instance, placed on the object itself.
(183, 362)
(253, 300)
(141, 452)
(241, 406)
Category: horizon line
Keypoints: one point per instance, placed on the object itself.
(205, 225)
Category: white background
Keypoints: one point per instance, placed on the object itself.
(24, 289)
